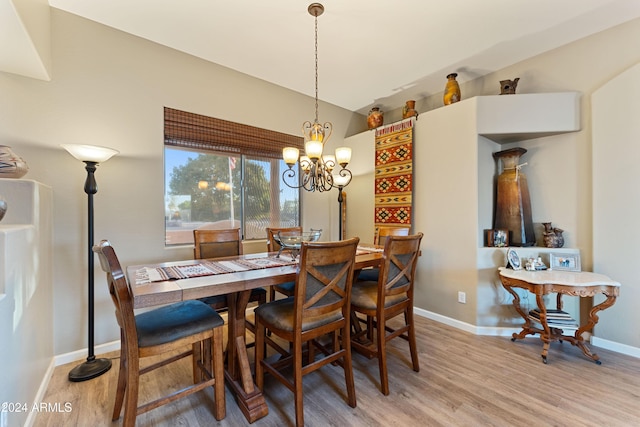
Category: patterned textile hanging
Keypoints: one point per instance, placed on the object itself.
(394, 174)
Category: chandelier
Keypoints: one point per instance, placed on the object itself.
(317, 170)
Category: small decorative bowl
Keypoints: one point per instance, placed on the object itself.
(292, 240)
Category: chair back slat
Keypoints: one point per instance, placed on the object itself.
(217, 243)
(324, 279)
(382, 232)
(119, 290)
(397, 273)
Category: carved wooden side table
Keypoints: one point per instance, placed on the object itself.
(540, 283)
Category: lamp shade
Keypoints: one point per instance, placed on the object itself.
(343, 156)
(290, 155)
(90, 153)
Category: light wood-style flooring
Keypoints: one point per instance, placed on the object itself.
(464, 380)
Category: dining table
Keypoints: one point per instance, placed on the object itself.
(169, 282)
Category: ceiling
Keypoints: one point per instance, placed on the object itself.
(371, 52)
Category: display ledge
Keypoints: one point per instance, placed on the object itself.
(492, 257)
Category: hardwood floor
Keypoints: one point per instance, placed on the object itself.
(464, 380)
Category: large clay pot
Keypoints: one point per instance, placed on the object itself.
(513, 203)
(11, 165)
(451, 90)
(375, 118)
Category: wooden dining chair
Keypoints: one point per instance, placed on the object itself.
(191, 327)
(385, 299)
(319, 307)
(379, 238)
(223, 243)
(273, 246)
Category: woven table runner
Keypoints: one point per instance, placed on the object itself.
(208, 268)
(394, 174)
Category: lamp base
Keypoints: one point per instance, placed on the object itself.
(89, 370)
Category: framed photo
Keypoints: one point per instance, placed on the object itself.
(498, 238)
(566, 262)
(514, 259)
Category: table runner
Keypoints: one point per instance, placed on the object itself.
(209, 268)
(394, 174)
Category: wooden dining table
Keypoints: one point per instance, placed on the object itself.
(237, 286)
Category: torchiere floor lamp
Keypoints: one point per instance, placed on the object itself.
(91, 156)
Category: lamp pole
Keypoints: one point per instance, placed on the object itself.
(340, 216)
(91, 156)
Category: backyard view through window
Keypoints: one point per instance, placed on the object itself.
(205, 189)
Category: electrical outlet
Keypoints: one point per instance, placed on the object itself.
(462, 297)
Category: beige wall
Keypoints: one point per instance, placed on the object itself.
(559, 173)
(109, 88)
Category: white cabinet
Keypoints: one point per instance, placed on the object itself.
(26, 294)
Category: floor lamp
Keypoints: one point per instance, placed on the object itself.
(91, 156)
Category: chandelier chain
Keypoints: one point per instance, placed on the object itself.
(316, 47)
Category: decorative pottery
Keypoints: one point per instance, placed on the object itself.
(11, 165)
(409, 110)
(513, 203)
(451, 90)
(508, 87)
(552, 237)
(3, 207)
(375, 118)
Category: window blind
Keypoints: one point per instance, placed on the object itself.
(195, 131)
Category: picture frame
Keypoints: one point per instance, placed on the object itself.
(498, 238)
(564, 262)
(514, 259)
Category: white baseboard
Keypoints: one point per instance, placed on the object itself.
(507, 332)
(80, 355)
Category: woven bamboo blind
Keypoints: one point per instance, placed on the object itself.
(194, 131)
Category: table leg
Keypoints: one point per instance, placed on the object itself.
(545, 334)
(577, 339)
(238, 372)
(526, 328)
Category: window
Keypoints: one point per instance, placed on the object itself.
(220, 174)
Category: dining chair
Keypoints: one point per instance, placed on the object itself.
(385, 299)
(318, 308)
(165, 330)
(379, 238)
(209, 243)
(273, 246)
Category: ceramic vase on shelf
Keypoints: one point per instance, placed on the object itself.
(409, 110)
(552, 237)
(375, 118)
(11, 165)
(513, 203)
(451, 90)
(3, 207)
(508, 87)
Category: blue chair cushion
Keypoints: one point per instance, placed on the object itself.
(288, 287)
(280, 313)
(172, 322)
(369, 275)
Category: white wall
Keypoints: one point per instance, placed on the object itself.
(616, 198)
(559, 173)
(109, 88)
